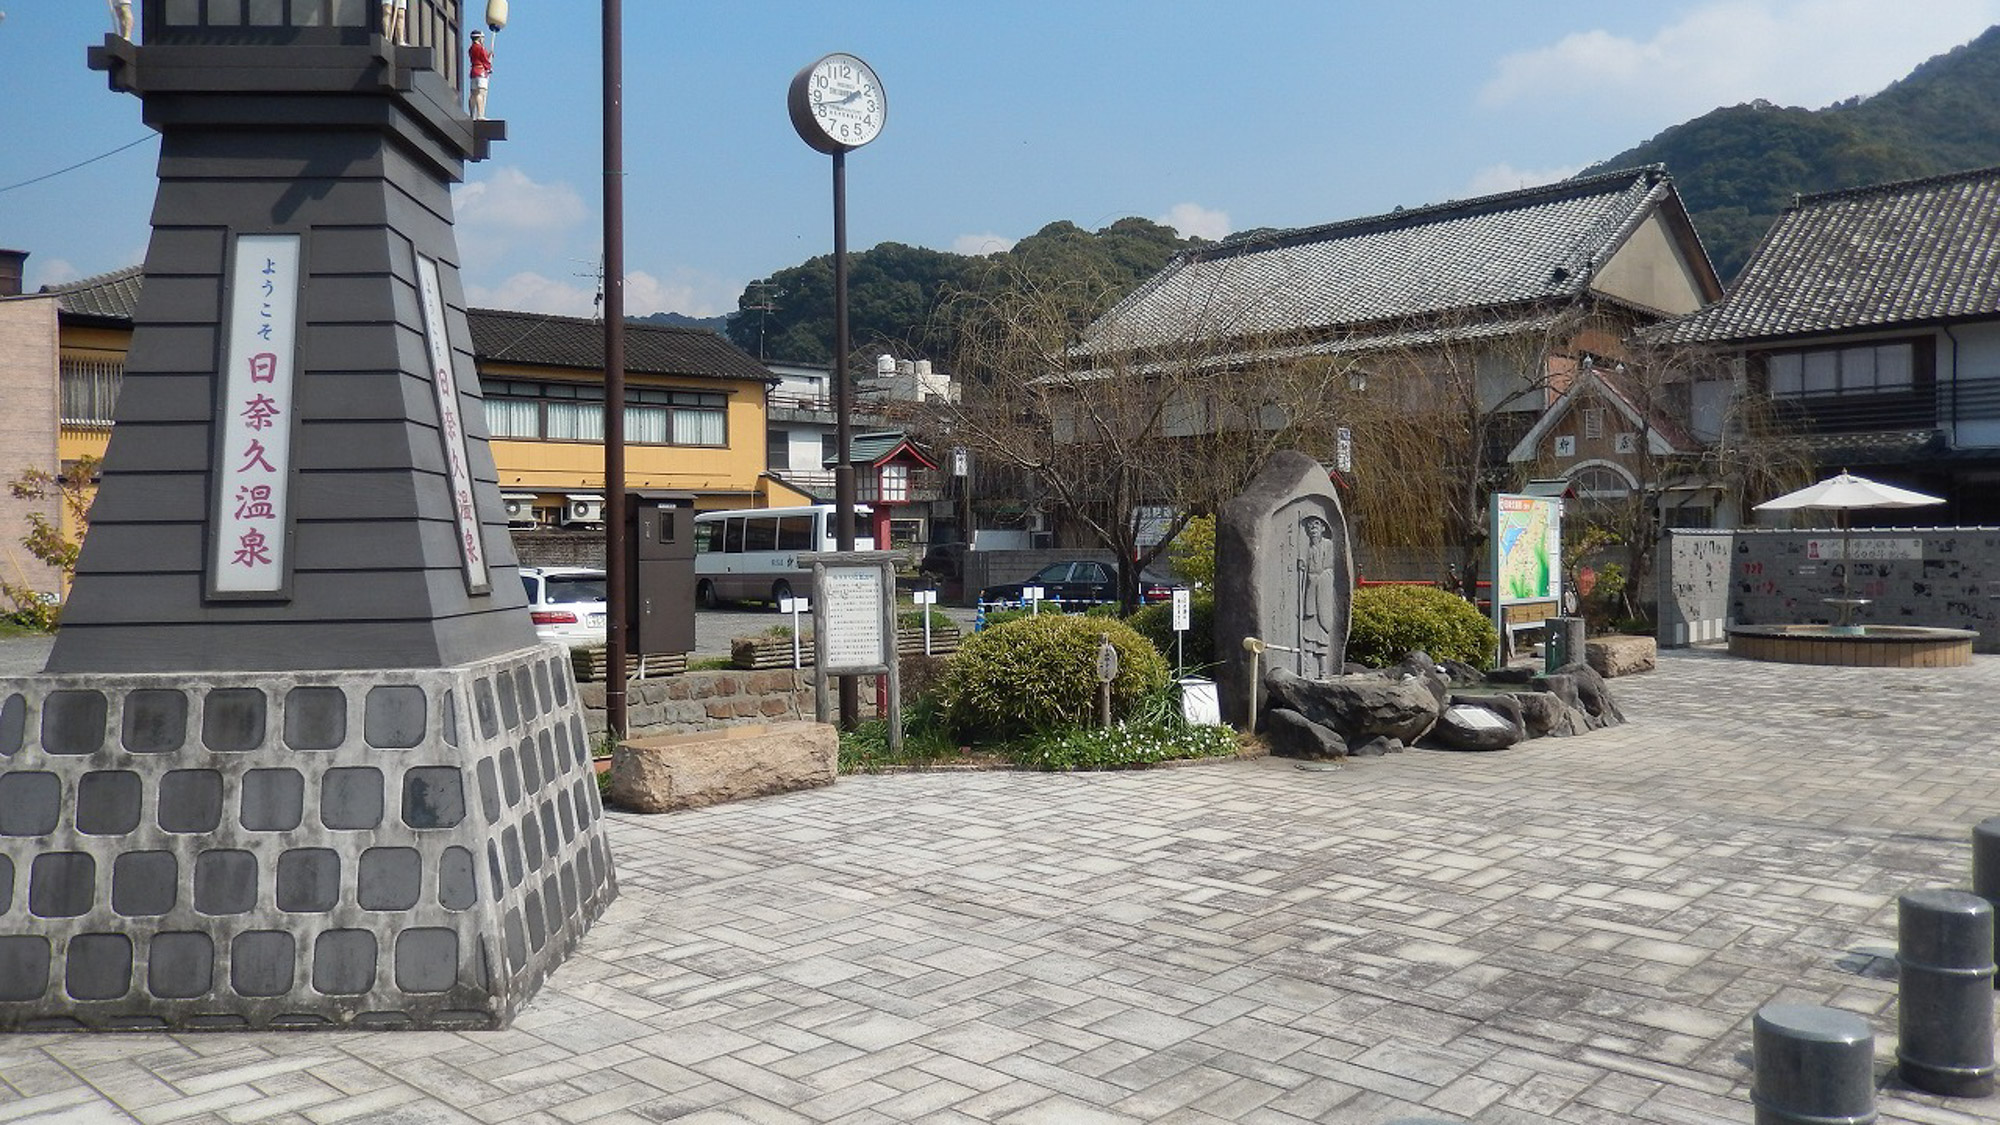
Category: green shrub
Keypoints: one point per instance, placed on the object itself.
(1002, 616)
(865, 749)
(1193, 552)
(913, 618)
(1040, 673)
(1390, 622)
(1156, 624)
(1124, 745)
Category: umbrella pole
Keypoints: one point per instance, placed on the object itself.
(1846, 602)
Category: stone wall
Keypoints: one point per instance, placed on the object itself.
(699, 701)
(550, 547)
(1693, 576)
(1948, 577)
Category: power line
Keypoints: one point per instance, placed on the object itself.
(79, 164)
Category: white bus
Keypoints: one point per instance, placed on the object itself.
(752, 554)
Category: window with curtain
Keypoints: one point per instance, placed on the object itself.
(513, 418)
(573, 421)
(698, 426)
(646, 425)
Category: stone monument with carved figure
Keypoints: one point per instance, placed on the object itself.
(1284, 575)
(297, 759)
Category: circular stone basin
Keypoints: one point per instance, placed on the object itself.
(1854, 646)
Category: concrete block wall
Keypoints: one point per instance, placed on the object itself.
(1693, 572)
(1946, 577)
(28, 380)
(697, 701)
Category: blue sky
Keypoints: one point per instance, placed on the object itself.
(1002, 117)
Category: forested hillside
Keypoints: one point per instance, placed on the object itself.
(1738, 167)
(902, 297)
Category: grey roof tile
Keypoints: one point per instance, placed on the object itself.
(545, 340)
(105, 296)
(1518, 247)
(1900, 253)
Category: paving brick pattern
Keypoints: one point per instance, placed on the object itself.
(1573, 931)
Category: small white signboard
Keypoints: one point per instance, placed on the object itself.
(253, 475)
(1864, 550)
(458, 473)
(851, 599)
(1182, 609)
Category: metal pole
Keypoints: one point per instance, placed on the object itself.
(615, 594)
(843, 469)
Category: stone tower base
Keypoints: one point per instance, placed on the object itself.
(398, 848)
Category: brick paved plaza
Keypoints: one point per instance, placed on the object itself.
(1574, 930)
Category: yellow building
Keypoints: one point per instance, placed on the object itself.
(695, 412)
(695, 407)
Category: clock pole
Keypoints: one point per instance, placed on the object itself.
(837, 104)
(843, 414)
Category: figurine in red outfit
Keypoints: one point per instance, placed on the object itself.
(482, 69)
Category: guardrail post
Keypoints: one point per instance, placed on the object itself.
(1944, 949)
(1986, 872)
(1814, 1066)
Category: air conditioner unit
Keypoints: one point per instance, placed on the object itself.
(520, 508)
(583, 509)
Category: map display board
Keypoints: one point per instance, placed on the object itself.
(1525, 560)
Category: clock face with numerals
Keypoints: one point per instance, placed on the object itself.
(837, 104)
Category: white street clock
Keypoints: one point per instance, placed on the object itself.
(837, 104)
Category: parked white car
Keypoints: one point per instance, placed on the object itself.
(566, 602)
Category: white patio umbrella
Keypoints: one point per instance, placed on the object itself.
(1841, 494)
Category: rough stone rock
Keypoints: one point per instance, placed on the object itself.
(1420, 667)
(1471, 726)
(692, 770)
(1542, 713)
(1292, 735)
(1513, 674)
(1374, 746)
(1461, 673)
(1359, 706)
(1506, 706)
(1621, 655)
(1585, 694)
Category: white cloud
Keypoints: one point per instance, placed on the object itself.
(509, 201)
(980, 245)
(1193, 220)
(532, 292)
(645, 294)
(1726, 52)
(48, 271)
(1496, 178)
(508, 216)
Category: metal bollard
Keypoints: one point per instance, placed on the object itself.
(1814, 1066)
(1986, 872)
(1944, 947)
(1562, 643)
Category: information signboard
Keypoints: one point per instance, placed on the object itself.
(249, 556)
(851, 597)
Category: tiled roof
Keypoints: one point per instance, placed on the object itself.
(871, 448)
(1911, 252)
(1524, 246)
(107, 296)
(543, 340)
(530, 339)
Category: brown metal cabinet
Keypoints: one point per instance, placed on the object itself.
(660, 558)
